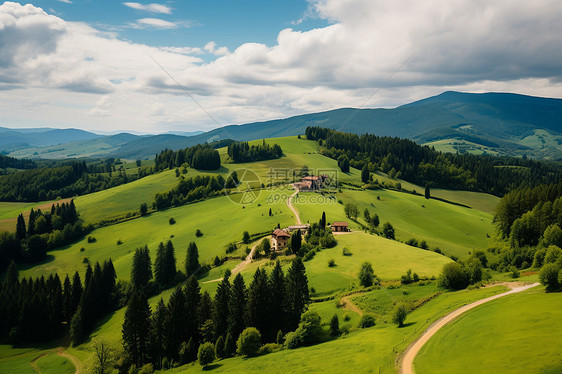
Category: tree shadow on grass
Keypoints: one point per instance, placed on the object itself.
(407, 324)
(211, 367)
(29, 265)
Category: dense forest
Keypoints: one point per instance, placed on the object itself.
(48, 183)
(175, 330)
(188, 190)
(201, 156)
(39, 310)
(44, 231)
(530, 221)
(243, 152)
(402, 158)
(16, 163)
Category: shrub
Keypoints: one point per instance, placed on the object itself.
(399, 314)
(454, 276)
(206, 353)
(246, 237)
(293, 340)
(367, 320)
(91, 239)
(198, 233)
(147, 369)
(172, 221)
(249, 342)
(366, 275)
(331, 263)
(85, 260)
(346, 317)
(514, 272)
(310, 327)
(279, 339)
(231, 247)
(346, 252)
(82, 249)
(119, 242)
(388, 230)
(549, 276)
(423, 245)
(269, 348)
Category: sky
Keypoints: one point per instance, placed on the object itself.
(154, 67)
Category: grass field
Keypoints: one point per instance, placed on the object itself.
(515, 334)
(454, 229)
(10, 211)
(362, 351)
(220, 220)
(390, 260)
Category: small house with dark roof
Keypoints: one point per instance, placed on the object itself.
(340, 227)
(279, 239)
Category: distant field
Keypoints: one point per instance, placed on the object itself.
(455, 230)
(220, 220)
(10, 211)
(515, 334)
(390, 260)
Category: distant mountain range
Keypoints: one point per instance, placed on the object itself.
(493, 123)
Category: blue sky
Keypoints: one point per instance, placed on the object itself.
(227, 23)
(195, 65)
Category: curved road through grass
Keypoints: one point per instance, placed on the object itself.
(407, 366)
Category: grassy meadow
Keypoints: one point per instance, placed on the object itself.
(515, 334)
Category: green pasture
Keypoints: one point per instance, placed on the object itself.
(515, 334)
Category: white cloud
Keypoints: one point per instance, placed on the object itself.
(156, 23)
(468, 45)
(65, 1)
(152, 8)
(211, 47)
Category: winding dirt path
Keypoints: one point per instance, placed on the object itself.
(290, 205)
(407, 366)
(77, 364)
(349, 305)
(242, 265)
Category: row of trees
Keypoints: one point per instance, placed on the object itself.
(38, 310)
(422, 165)
(44, 231)
(16, 163)
(175, 330)
(243, 152)
(191, 189)
(201, 156)
(49, 183)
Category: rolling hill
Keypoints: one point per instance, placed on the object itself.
(491, 123)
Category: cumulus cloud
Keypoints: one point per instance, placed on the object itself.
(471, 45)
(152, 8)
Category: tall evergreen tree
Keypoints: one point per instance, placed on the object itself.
(323, 221)
(259, 303)
(237, 307)
(136, 329)
(21, 231)
(141, 271)
(158, 333)
(427, 192)
(176, 323)
(76, 293)
(192, 299)
(277, 297)
(365, 174)
(222, 301)
(192, 259)
(68, 300)
(297, 296)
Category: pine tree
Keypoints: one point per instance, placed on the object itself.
(277, 299)
(237, 306)
(12, 276)
(76, 293)
(136, 329)
(159, 276)
(220, 348)
(141, 271)
(297, 297)
(77, 328)
(20, 229)
(158, 333)
(176, 323)
(205, 310)
(229, 345)
(68, 300)
(323, 221)
(222, 301)
(296, 241)
(192, 259)
(427, 192)
(365, 174)
(192, 300)
(259, 302)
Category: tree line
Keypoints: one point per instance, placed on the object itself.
(243, 152)
(402, 158)
(38, 310)
(173, 332)
(190, 189)
(16, 163)
(201, 156)
(44, 231)
(49, 183)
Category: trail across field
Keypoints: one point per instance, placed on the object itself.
(290, 205)
(407, 366)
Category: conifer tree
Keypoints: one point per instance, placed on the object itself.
(192, 259)
(277, 299)
(20, 229)
(192, 299)
(222, 301)
(136, 329)
(158, 333)
(297, 297)
(176, 323)
(259, 302)
(141, 271)
(237, 307)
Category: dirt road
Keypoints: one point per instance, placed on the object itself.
(290, 205)
(407, 366)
